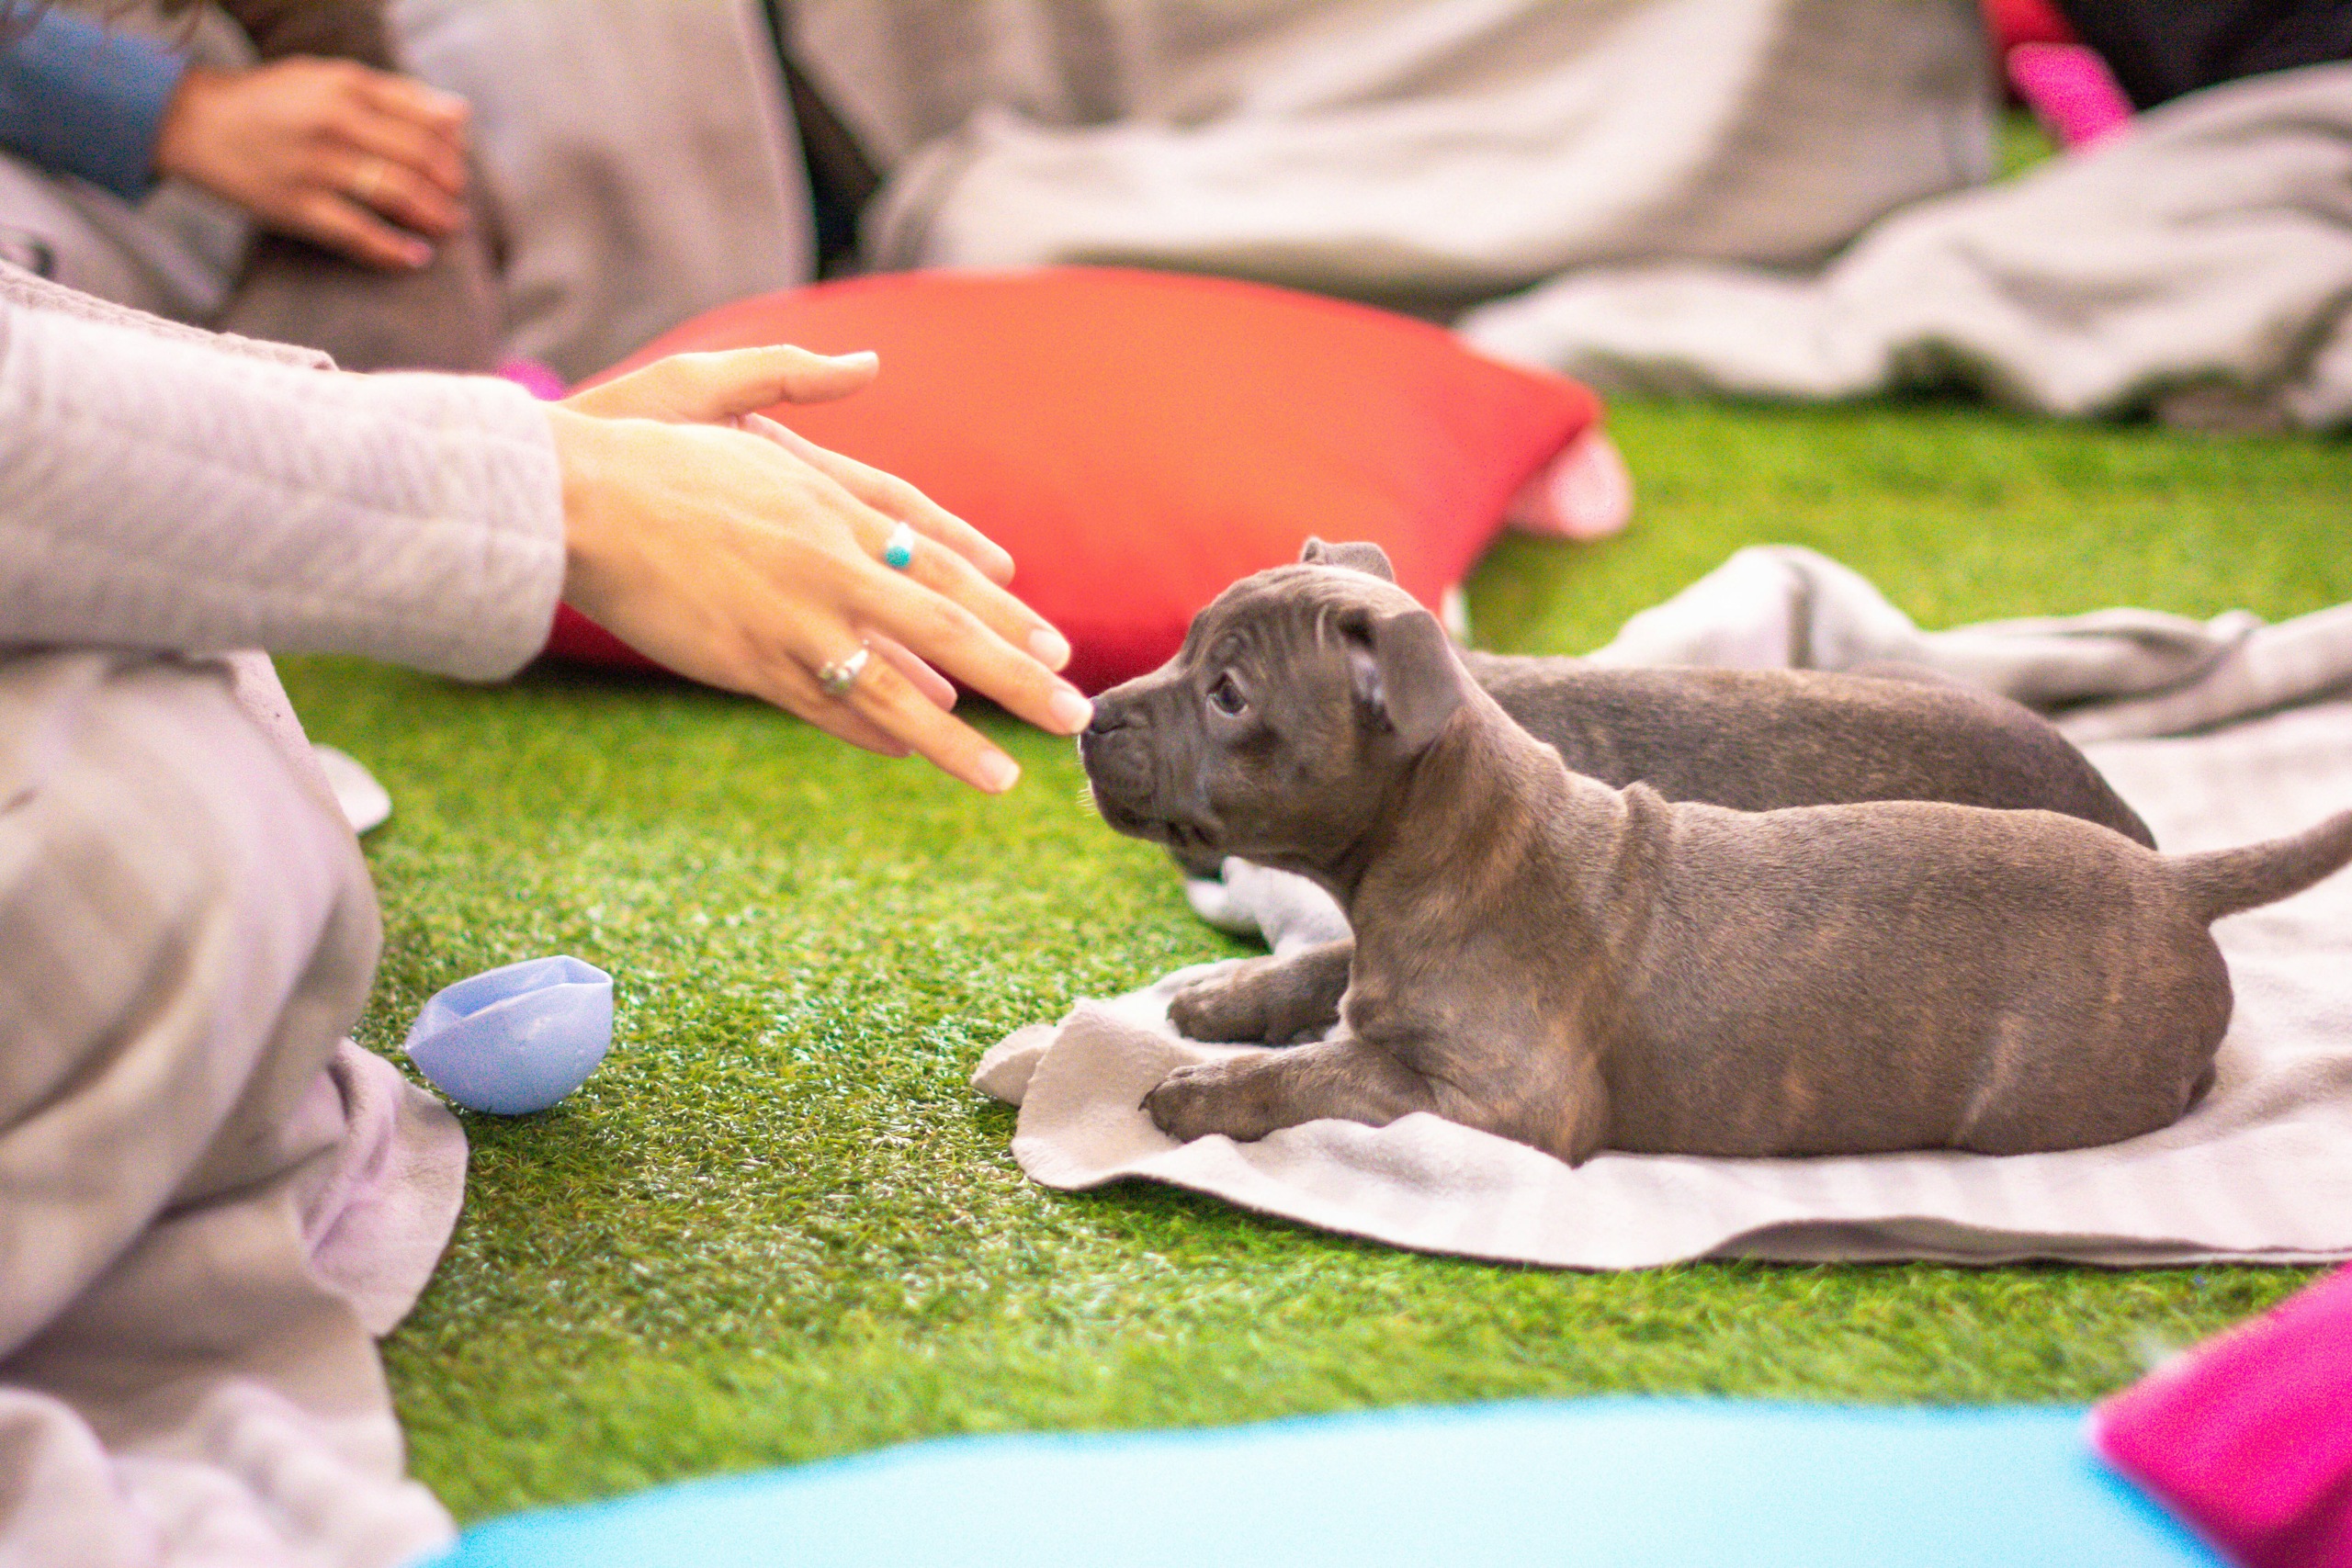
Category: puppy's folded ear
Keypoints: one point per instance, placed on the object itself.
(1404, 667)
(1362, 556)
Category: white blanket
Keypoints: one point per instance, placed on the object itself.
(2260, 1171)
(1407, 150)
(2199, 265)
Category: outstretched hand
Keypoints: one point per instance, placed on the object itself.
(732, 550)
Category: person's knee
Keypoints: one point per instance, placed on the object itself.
(184, 931)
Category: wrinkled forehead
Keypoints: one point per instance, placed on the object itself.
(1290, 608)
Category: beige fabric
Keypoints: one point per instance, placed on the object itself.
(208, 1197)
(2198, 265)
(1408, 150)
(2108, 675)
(2260, 1171)
(639, 162)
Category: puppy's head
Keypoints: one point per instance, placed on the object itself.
(1298, 698)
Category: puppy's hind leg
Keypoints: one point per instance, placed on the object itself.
(1246, 1098)
(1270, 1002)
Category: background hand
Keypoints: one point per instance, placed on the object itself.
(750, 558)
(326, 151)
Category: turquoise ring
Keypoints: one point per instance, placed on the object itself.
(899, 550)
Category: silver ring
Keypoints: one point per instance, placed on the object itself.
(835, 679)
(899, 550)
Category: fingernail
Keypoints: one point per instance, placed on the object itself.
(1049, 647)
(1071, 712)
(998, 772)
(862, 356)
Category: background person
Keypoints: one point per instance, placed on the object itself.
(352, 178)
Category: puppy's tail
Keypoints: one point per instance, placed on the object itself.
(2223, 882)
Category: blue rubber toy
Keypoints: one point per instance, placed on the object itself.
(516, 1039)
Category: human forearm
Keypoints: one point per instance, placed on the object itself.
(163, 494)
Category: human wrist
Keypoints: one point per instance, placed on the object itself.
(184, 132)
(589, 454)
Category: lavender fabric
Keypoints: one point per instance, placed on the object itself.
(210, 1199)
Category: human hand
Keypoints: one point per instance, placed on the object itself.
(749, 557)
(326, 151)
(719, 387)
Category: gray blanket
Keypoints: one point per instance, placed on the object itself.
(1399, 150)
(2199, 265)
(640, 166)
(2261, 1171)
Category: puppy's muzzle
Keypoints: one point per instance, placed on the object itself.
(1117, 754)
(1124, 771)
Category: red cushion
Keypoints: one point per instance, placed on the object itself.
(2013, 22)
(1139, 440)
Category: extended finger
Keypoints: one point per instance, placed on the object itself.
(789, 681)
(395, 190)
(892, 704)
(936, 688)
(344, 225)
(956, 642)
(444, 115)
(894, 497)
(397, 138)
(950, 575)
(727, 384)
(882, 701)
(844, 723)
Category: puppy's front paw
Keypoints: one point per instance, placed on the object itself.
(1191, 1103)
(1215, 1009)
(1261, 1001)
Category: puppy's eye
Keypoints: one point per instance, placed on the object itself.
(1226, 697)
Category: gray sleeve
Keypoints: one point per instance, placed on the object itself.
(18, 286)
(157, 492)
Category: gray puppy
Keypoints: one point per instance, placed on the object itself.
(1760, 739)
(1577, 966)
(1752, 740)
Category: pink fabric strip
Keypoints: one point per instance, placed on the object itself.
(2071, 90)
(2249, 1437)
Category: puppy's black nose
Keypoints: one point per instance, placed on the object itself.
(1106, 721)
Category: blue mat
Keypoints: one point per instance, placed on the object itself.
(1629, 1482)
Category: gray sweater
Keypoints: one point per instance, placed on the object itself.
(169, 489)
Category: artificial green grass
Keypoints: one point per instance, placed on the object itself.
(778, 1225)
